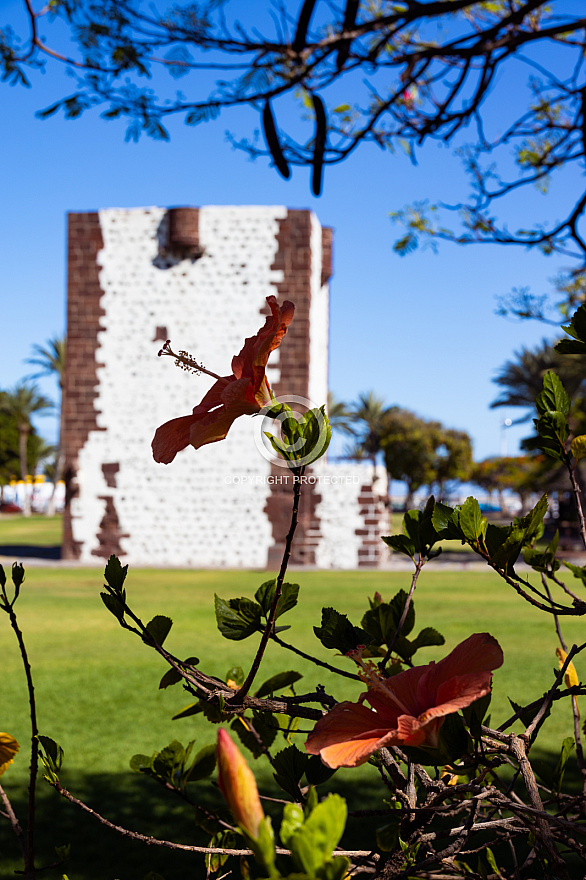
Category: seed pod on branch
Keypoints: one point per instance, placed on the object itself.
(320, 144)
(349, 21)
(302, 25)
(272, 139)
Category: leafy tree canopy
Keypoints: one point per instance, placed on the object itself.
(396, 74)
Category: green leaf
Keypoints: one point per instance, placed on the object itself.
(313, 843)
(235, 674)
(187, 711)
(172, 676)
(115, 574)
(475, 713)
(287, 600)
(278, 682)
(578, 446)
(292, 822)
(237, 618)
(427, 638)
(289, 765)
(554, 397)
(158, 628)
(471, 520)
(114, 605)
(168, 760)
(52, 753)
(265, 727)
(141, 763)
(316, 772)
(576, 328)
(579, 571)
(338, 633)
(398, 605)
(568, 746)
(203, 765)
(401, 543)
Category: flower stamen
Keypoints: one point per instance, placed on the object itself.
(185, 361)
(370, 674)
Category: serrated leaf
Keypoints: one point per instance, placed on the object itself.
(115, 573)
(141, 763)
(554, 397)
(427, 638)
(278, 682)
(113, 604)
(287, 600)
(401, 543)
(265, 728)
(338, 633)
(237, 618)
(187, 711)
(159, 627)
(470, 520)
(289, 765)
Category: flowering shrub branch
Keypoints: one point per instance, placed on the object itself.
(458, 797)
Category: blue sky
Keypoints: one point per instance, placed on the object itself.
(421, 330)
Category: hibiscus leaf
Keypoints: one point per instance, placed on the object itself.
(287, 600)
(427, 638)
(338, 633)
(158, 628)
(263, 730)
(313, 842)
(401, 543)
(380, 623)
(554, 397)
(237, 618)
(115, 574)
(475, 713)
(203, 764)
(398, 605)
(278, 682)
(471, 520)
(289, 766)
(316, 772)
(173, 676)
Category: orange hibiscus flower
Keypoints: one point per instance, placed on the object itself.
(245, 392)
(408, 709)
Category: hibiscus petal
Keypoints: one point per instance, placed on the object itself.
(171, 438)
(255, 352)
(348, 735)
(479, 653)
(214, 426)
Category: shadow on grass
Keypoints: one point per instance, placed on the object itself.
(139, 804)
(30, 551)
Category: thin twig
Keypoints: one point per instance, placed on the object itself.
(418, 566)
(239, 695)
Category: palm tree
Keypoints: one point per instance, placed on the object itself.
(51, 360)
(522, 378)
(20, 404)
(340, 417)
(371, 411)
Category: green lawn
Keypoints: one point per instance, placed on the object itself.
(97, 689)
(37, 530)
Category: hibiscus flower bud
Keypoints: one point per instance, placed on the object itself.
(238, 785)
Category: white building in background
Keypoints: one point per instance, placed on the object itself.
(199, 277)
